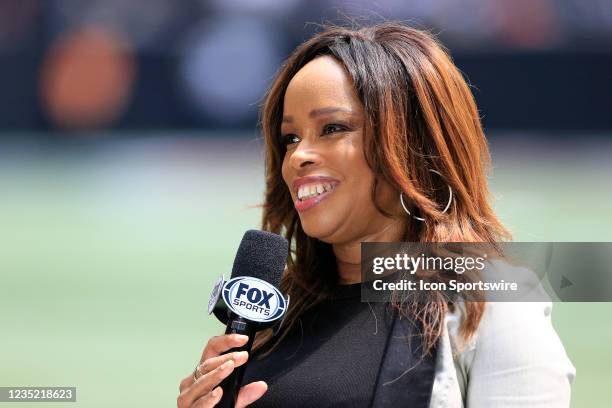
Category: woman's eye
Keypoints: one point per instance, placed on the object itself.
(289, 139)
(333, 128)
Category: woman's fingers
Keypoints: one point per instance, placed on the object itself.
(218, 344)
(209, 400)
(213, 368)
(205, 384)
(251, 393)
(239, 357)
(215, 346)
(186, 382)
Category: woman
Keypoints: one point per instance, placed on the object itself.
(372, 135)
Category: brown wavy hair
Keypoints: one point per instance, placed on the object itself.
(420, 116)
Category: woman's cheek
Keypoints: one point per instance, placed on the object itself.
(285, 172)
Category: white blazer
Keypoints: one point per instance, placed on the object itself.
(515, 359)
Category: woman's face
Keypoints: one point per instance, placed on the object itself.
(325, 167)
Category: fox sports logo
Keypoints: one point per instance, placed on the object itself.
(254, 299)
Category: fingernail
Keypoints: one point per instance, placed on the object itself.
(241, 337)
(216, 392)
(241, 354)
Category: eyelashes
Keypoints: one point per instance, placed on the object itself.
(291, 138)
(340, 128)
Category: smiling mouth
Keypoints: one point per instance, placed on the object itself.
(309, 195)
(308, 191)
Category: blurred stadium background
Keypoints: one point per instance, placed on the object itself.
(131, 165)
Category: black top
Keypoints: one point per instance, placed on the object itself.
(331, 358)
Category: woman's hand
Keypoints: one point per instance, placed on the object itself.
(214, 367)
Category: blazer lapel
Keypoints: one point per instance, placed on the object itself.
(405, 377)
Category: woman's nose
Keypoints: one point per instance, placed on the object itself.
(304, 155)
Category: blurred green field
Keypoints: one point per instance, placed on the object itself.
(108, 253)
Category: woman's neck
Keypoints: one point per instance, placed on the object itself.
(348, 255)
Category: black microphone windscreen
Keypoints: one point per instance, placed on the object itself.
(261, 255)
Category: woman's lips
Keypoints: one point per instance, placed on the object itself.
(312, 201)
(328, 184)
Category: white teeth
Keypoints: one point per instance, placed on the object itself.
(311, 190)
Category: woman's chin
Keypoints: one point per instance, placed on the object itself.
(317, 230)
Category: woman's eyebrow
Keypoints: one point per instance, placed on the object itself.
(321, 111)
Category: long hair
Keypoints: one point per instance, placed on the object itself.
(420, 116)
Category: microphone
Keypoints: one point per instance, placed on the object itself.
(250, 301)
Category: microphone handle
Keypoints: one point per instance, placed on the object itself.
(232, 383)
